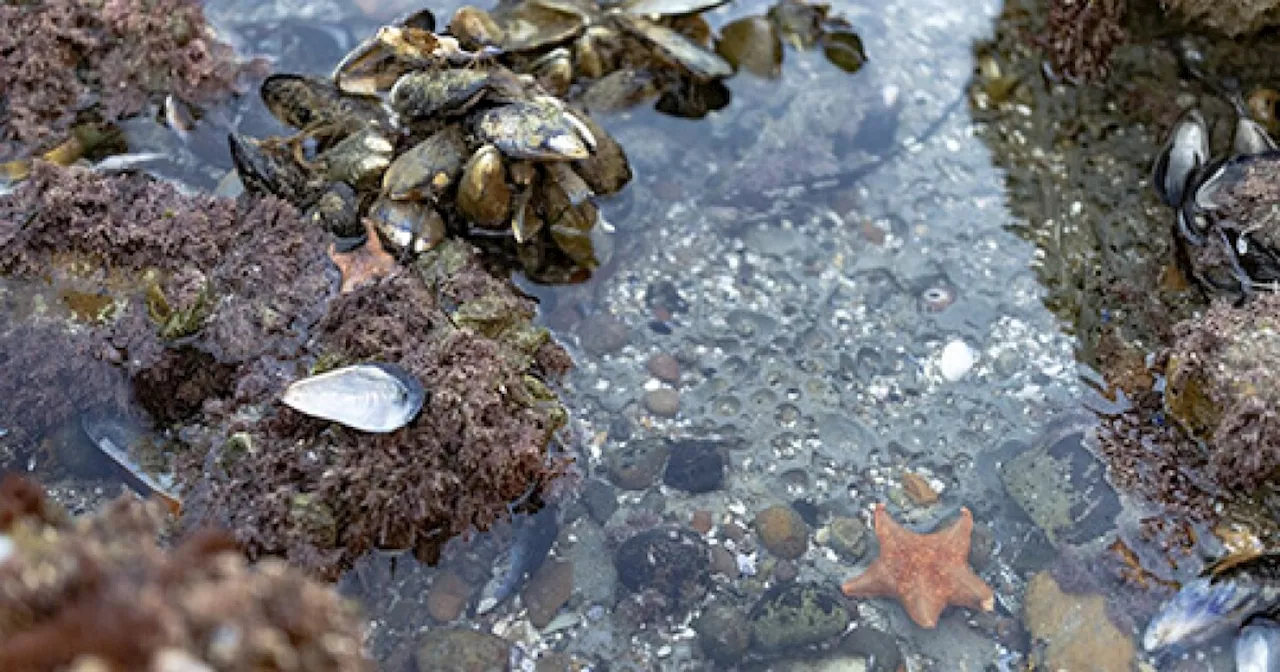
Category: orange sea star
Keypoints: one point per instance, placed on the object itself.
(926, 573)
(364, 264)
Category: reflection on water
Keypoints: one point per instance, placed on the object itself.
(813, 300)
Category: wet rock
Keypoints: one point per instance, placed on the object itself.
(600, 500)
(797, 614)
(462, 651)
(672, 562)
(635, 466)
(695, 466)
(918, 489)
(448, 595)
(782, 531)
(548, 590)
(664, 367)
(1062, 486)
(602, 334)
(848, 536)
(702, 521)
(1233, 17)
(663, 402)
(785, 571)
(1075, 629)
(723, 562)
(723, 633)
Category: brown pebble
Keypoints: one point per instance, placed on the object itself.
(663, 402)
(733, 531)
(664, 367)
(723, 562)
(549, 589)
(702, 521)
(917, 488)
(447, 596)
(783, 531)
(785, 571)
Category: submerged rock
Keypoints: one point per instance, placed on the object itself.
(797, 614)
(1077, 632)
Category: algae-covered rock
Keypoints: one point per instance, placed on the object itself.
(1223, 387)
(1233, 17)
(797, 614)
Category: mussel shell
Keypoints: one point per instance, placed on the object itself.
(475, 28)
(669, 7)
(374, 397)
(529, 27)
(618, 91)
(308, 102)
(684, 52)
(407, 225)
(338, 211)
(1186, 150)
(752, 44)
(428, 168)
(271, 169)
(375, 64)
(844, 50)
(1251, 138)
(526, 130)
(574, 187)
(359, 159)
(483, 195)
(1257, 646)
(607, 170)
(554, 71)
(428, 93)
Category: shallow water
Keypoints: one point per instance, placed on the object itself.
(806, 255)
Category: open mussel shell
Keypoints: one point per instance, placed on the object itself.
(374, 397)
(669, 7)
(752, 44)
(700, 62)
(1186, 150)
(116, 437)
(528, 27)
(526, 130)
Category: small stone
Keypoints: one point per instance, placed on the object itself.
(636, 465)
(602, 334)
(797, 614)
(663, 402)
(918, 489)
(702, 521)
(462, 651)
(664, 367)
(723, 562)
(695, 466)
(785, 571)
(1075, 627)
(733, 531)
(447, 596)
(956, 360)
(723, 633)
(782, 531)
(600, 500)
(549, 589)
(673, 562)
(848, 537)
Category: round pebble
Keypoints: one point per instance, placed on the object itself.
(956, 360)
(447, 596)
(602, 334)
(664, 367)
(663, 402)
(848, 537)
(723, 633)
(702, 521)
(636, 465)
(783, 531)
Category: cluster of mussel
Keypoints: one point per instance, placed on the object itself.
(1227, 221)
(415, 136)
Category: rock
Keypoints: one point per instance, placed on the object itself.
(785, 571)
(723, 633)
(600, 500)
(723, 562)
(602, 334)
(1062, 486)
(1232, 17)
(547, 591)
(664, 367)
(671, 561)
(663, 402)
(462, 651)
(848, 536)
(918, 489)
(1076, 631)
(782, 531)
(702, 521)
(447, 596)
(635, 465)
(797, 614)
(695, 466)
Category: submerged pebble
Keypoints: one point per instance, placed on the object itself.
(956, 360)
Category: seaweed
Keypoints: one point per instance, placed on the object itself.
(1080, 36)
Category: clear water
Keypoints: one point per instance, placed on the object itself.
(818, 257)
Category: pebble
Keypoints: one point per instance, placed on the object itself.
(785, 572)
(918, 489)
(702, 521)
(602, 334)
(783, 531)
(723, 562)
(956, 360)
(548, 590)
(449, 650)
(663, 402)
(1077, 631)
(673, 562)
(723, 633)
(664, 367)
(600, 499)
(848, 537)
(695, 466)
(635, 466)
(447, 596)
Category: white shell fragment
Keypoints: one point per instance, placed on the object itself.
(956, 360)
(374, 397)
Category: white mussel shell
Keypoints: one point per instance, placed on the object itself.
(374, 397)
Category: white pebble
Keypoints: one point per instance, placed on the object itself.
(956, 360)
